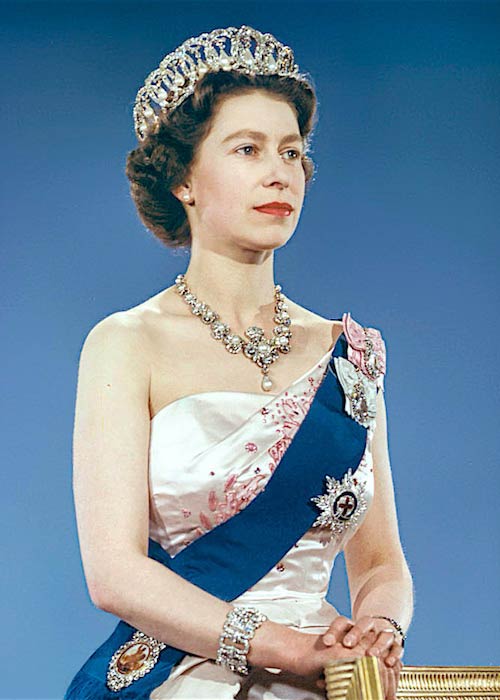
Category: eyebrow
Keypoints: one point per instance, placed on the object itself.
(259, 136)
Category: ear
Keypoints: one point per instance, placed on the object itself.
(182, 193)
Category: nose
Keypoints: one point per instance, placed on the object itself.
(277, 172)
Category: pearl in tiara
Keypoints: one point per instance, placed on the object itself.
(243, 49)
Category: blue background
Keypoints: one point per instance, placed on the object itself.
(401, 228)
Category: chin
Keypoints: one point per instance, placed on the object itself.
(268, 239)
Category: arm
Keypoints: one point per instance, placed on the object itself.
(110, 482)
(379, 578)
(380, 582)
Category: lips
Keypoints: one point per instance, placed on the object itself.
(276, 208)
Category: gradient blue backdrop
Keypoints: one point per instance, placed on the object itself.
(401, 227)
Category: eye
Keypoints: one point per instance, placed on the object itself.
(242, 147)
(297, 154)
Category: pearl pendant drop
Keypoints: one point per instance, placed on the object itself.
(266, 383)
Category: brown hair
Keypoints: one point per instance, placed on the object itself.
(161, 162)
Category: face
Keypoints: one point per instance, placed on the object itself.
(233, 174)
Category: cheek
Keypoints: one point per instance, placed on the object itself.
(222, 193)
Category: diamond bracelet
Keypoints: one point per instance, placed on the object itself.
(234, 642)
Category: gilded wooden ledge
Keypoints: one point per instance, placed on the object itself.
(359, 679)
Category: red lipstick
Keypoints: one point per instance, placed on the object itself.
(275, 208)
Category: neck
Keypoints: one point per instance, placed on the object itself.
(242, 293)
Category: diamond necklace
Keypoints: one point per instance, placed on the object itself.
(261, 350)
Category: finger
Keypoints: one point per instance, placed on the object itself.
(384, 642)
(394, 654)
(398, 649)
(391, 685)
(367, 628)
(393, 681)
(337, 630)
(383, 678)
(399, 667)
(360, 629)
(397, 672)
(368, 639)
(388, 683)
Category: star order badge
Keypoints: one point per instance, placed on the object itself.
(342, 504)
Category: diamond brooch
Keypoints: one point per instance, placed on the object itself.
(360, 392)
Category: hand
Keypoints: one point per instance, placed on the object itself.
(385, 641)
(307, 654)
(379, 638)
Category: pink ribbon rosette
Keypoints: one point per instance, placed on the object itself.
(366, 349)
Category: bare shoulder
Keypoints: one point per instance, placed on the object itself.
(128, 340)
(128, 330)
(115, 353)
(119, 327)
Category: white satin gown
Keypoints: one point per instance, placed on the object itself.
(210, 454)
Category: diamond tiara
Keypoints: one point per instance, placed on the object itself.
(243, 49)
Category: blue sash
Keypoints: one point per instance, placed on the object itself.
(229, 559)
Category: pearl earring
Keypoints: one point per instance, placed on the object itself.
(185, 196)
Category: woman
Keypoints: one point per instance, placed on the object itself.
(199, 525)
